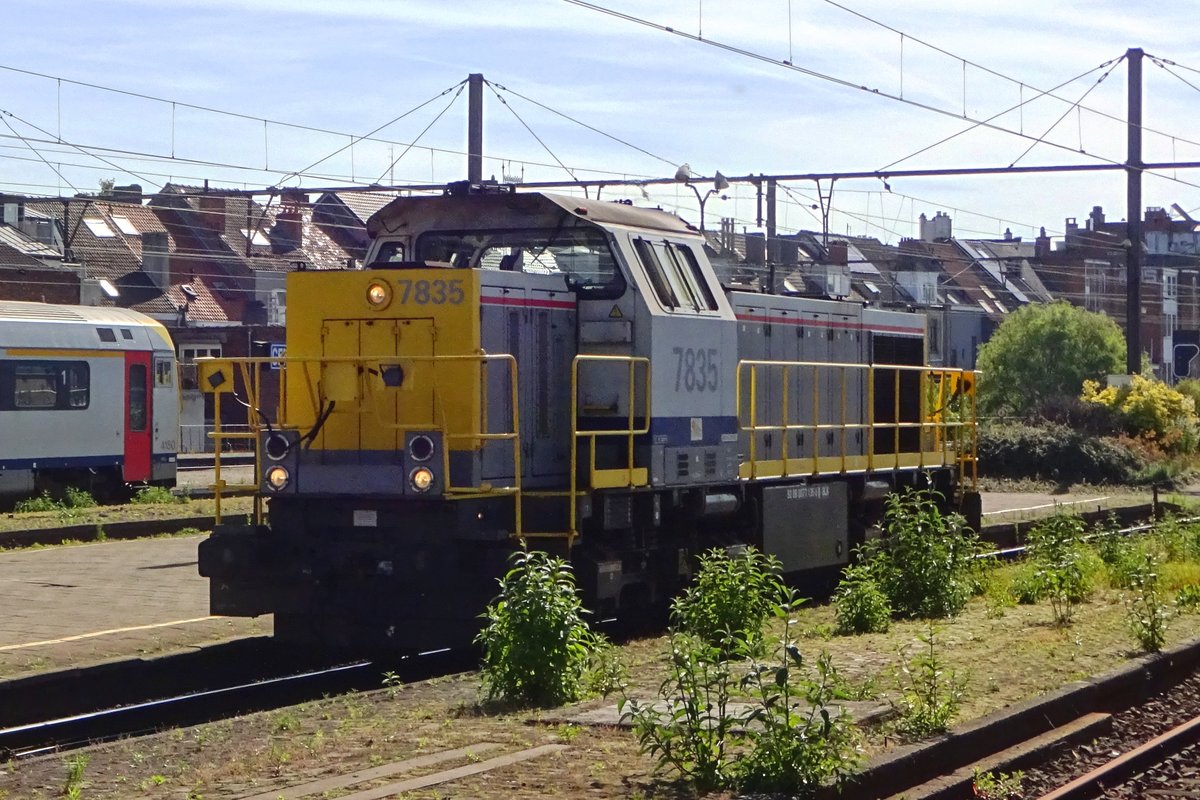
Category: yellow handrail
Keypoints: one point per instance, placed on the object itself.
(632, 475)
(945, 424)
(250, 372)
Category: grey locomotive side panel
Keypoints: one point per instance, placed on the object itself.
(805, 526)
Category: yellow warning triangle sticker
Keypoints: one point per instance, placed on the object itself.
(615, 313)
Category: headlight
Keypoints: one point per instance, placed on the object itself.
(421, 479)
(420, 447)
(277, 478)
(276, 446)
(379, 294)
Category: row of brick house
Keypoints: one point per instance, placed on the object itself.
(211, 266)
(968, 286)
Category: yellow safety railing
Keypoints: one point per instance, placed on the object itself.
(604, 477)
(250, 372)
(944, 420)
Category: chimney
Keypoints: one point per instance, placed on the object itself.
(838, 253)
(939, 228)
(1041, 245)
(156, 261)
(288, 231)
(128, 194)
(212, 212)
(14, 212)
(756, 248)
(1096, 218)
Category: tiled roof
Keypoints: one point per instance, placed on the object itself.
(104, 256)
(12, 258)
(18, 240)
(253, 237)
(364, 204)
(202, 304)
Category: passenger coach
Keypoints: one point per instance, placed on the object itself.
(88, 400)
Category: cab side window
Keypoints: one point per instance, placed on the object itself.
(676, 276)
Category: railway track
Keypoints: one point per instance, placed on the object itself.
(1164, 767)
(71, 708)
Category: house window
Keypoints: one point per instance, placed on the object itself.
(1170, 284)
(188, 353)
(99, 228)
(125, 226)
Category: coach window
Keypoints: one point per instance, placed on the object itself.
(43, 385)
(137, 397)
(164, 372)
(106, 334)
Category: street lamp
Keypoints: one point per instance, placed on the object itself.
(720, 183)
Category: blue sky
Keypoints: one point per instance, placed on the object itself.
(353, 65)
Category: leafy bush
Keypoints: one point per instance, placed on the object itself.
(930, 695)
(1061, 560)
(78, 498)
(1145, 610)
(1046, 350)
(794, 747)
(1026, 586)
(1188, 598)
(777, 743)
(924, 564)
(536, 646)
(1122, 558)
(1055, 452)
(860, 604)
(730, 599)
(1150, 409)
(43, 502)
(605, 673)
(997, 785)
(691, 726)
(155, 495)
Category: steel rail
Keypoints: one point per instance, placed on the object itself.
(21, 741)
(1123, 767)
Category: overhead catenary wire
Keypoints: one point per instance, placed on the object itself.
(432, 122)
(1090, 89)
(524, 124)
(995, 73)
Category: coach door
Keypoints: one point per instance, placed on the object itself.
(137, 417)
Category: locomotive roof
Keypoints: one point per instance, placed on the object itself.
(513, 210)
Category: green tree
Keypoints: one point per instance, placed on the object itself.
(1046, 351)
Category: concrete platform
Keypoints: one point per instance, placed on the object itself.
(75, 605)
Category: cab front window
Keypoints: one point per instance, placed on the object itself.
(581, 255)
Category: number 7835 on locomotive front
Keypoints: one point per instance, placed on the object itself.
(524, 369)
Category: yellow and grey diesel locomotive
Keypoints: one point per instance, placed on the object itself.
(525, 369)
